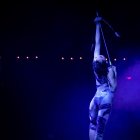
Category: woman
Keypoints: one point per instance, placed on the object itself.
(106, 82)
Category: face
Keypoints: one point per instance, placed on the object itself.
(100, 58)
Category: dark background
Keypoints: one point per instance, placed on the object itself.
(48, 98)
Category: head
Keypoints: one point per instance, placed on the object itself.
(100, 66)
(100, 58)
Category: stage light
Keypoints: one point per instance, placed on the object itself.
(36, 57)
(71, 58)
(124, 59)
(27, 57)
(18, 57)
(62, 58)
(81, 58)
(115, 59)
(106, 59)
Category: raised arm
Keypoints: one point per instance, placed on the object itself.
(97, 37)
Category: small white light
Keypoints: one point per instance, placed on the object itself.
(115, 59)
(124, 59)
(36, 57)
(106, 59)
(27, 57)
(71, 58)
(81, 58)
(18, 57)
(62, 58)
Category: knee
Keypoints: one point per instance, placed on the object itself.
(92, 118)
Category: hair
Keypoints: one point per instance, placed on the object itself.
(101, 71)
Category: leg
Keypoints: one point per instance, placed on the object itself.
(93, 113)
(103, 116)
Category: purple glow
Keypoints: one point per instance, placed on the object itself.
(18, 57)
(128, 77)
(36, 57)
(127, 94)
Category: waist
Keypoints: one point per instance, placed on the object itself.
(105, 92)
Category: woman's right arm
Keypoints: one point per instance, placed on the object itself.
(112, 77)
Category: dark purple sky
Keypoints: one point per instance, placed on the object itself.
(58, 27)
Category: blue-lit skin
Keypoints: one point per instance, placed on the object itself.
(100, 105)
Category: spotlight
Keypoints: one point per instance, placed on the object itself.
(115, 59)
(18, 57)
(27, 57)
(106, 59)
(124, 59)
(81, 58)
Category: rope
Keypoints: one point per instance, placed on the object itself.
(105, 46)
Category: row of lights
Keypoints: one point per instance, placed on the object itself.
(27, 57)
(36, 57)
(62, 58)
(116, 59)
(71, 58)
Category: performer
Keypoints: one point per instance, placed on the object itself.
(106, 82)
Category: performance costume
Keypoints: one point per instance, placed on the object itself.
(100, 105)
